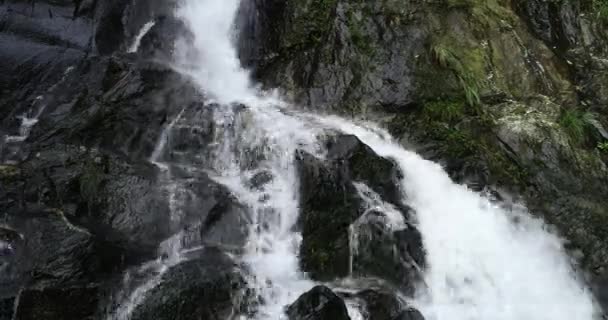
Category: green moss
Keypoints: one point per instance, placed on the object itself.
(464, 133)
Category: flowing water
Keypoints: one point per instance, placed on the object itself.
(484, 261)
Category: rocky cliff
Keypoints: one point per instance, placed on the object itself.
(510, 95)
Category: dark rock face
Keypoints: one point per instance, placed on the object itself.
(392, 252)
(320, 303)
(50, 304)
(7, 306)
(80, 200)
(333, 208)
(207, 287)
(382, 304)
(322, 52)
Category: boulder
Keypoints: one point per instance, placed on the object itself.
(332, 206)
(210, 286)
(320, 303)
(383, 304)
(387, 249)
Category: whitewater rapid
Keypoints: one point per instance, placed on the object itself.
(483, 264)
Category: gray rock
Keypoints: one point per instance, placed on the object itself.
(320, 303)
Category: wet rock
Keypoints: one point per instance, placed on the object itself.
(320, 303)
(55, 253)
(387, 247)
(53, 304)
(7, 306)
(208, 287)
(308, 49)
(331, 203)
(359, 163)
(383, 304)
(211, 215)
(159, 42)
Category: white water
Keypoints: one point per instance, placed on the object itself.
(481, 265)
(140, 35)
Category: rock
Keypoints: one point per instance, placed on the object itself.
(211, 215)
(320, 303)
(336, 196)
(359, 163)
(208, 287)
(382, 304)
(322, 53)
(54, 304)
(7, 306)
(159, 42)
(387, 249)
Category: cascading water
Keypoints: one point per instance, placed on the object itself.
(485, 262)
(481, 264)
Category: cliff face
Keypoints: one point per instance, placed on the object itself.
(509, 95)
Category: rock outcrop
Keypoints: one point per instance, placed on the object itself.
(210, 286)
(320, 303)
(336, 218)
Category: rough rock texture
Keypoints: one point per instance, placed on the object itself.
(320, 303)
(207, 287)
(340, 235)
(80, 199)
(383, 304)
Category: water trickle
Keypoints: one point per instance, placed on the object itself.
(142, 33)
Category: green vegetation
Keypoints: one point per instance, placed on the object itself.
(576, 124)
(461, 132)
(601, 7)
(444, 111)
(310, 24)
(603, 146)
(467, 79)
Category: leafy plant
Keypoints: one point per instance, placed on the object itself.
(603, 146)
(446, 59)
(576, 124)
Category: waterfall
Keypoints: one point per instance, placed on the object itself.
(484, 261)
